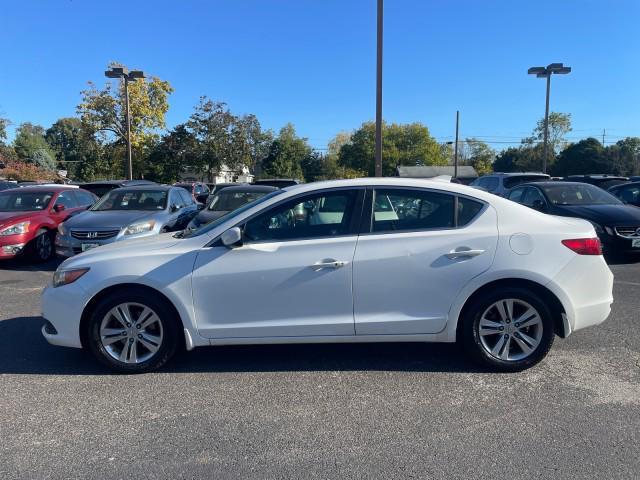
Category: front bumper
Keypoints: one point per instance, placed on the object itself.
(62, 307)
(13, 245)
(613, 244)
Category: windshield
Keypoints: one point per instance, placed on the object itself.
(211, 225)
(510, 182)
(579, 194)
(132, 200)
(21, 201)
(226, 200)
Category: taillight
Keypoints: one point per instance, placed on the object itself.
(584, 246)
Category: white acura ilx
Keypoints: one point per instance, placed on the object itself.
(366, 260)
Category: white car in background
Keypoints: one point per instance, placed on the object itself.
(366, 260)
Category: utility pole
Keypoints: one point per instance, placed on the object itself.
(124, 75)
(546, 72)
(455, 155)
(378, 169)
(604, 131)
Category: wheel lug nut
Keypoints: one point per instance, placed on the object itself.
(139, 335)
(138, 326)
(508, 321)
(501, 328)
(506, 336)
(124, 334)
(128, 325)
(131, 340)
(517, 324)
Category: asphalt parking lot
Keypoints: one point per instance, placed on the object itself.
(319, 411)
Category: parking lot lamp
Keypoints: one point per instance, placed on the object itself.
(546, 72)
(128, 76)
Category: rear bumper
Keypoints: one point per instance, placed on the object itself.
(585, 288)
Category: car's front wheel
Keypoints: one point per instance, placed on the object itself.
(132, 332)
(41, 247)
(510, 329)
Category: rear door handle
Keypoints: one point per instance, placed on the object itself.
(463, 253)
(329, 263)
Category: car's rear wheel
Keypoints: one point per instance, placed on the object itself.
(132, 332)
(41, 247)
(510, 329)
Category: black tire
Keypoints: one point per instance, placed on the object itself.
(470, 331)
(41, 249)
(171, 329)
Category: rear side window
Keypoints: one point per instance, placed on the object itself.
(489, 183)
(516, 195)
(399, 209)
(66, 199)
(467, 210)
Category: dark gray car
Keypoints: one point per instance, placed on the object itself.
(227, 200)
(124, 213)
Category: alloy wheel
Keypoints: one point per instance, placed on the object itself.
(510, 329)
(131, 333)
(44, 246)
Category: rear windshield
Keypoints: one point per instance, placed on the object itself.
(579, 194)
(17, 200)
(133, 200)
(510, 182)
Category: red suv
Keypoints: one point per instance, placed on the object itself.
(29, 218)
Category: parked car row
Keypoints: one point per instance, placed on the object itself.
(43, 220)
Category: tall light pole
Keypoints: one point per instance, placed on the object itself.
(379, 92)
(127, 76)
(546, 72)
(455, 155)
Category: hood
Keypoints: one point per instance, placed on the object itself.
(125, 249)
(9, 218)
(612, 215)
(108, 219)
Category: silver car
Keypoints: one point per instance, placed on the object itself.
(124, 213)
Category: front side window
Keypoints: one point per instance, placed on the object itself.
(325, 214)
(66, 199)
(533, 197)
(398, 209)
(228, 200)
(516, 195)
(18, 200)
(186, 198)
(84, 199)
(492, 184)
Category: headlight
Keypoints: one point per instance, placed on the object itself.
(65, 277)
(139, 227)
(17, 229)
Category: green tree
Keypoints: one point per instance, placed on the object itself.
(75, 148)
(624, 156)
(103, 111)
(480, 155)
(519, 159)
(168, 158)
(4, 123)
(584, 157)
(402, 144)
(287, 154)
(31, 146)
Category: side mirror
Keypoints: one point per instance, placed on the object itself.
(175, 208)
(58, 208)
(232, 238)
(202, 198)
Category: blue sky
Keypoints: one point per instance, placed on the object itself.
(313, 62)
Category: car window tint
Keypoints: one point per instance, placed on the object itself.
(67, 199)
(629, 194)
(510, 182)
(492, 184)
(531, 196)
(186, 198)
(319, 215)
(467, 210)
(399, 209)
(84, 198)
(516, 195)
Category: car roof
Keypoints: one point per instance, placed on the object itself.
(623, 185)
(119, 182)
(249, 188)
(552, 183)
(44, 188)
(515, 174)
(600, 176)
(152, 186)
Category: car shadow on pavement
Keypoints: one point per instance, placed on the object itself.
(26, 265)
(23, 350)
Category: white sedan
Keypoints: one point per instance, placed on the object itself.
(366, 260)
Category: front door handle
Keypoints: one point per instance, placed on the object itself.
(463, 253)
(329, 263)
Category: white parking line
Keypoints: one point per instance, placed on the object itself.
(623, 282)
